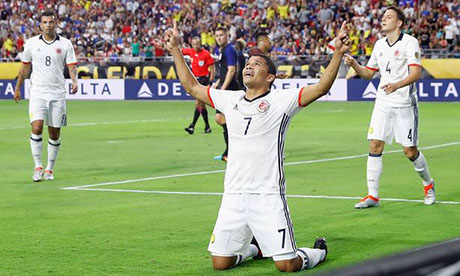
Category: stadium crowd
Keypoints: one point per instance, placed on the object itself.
(132, 28)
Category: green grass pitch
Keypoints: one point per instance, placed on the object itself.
(46, 230)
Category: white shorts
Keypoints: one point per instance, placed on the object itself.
(53, 111)
(242, 216)
(398, 122)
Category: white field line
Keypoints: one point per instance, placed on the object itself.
(143, 179)
(221, 171)
(96, 123)
(220, 194)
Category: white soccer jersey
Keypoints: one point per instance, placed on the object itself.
(393, 62)
(256, 130)
(48, 62)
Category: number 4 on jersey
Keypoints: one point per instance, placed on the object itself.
(388, 69)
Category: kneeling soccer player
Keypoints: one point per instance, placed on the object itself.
(254, 202)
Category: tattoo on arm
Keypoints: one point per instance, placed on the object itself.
(73, 73)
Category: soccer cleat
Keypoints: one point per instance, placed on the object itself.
(221, 157)
(259, 252)
(321, 243)
(367, 202)
(207, 129)
(48, 175)
(38, 174)
(430, 194)
(190, 129)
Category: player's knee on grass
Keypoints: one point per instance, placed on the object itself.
(223, 263)
(411, 152)
(291, 265)
(376, 146)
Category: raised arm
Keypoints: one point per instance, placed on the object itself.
(186, 78)
(362, 71)
(24, 72)
(311, 93)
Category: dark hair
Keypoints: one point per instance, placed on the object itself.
(399, 13)
(47, 13)
(271, 66)
(222, 28)
(259, 35)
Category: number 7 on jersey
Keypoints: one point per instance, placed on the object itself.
(247, 126)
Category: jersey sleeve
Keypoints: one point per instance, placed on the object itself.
(70, 58)
(219, 98)
(413, 53)
(372, 64)
(230, 54)
(186, 51)
(26, 55)
(209, 59)
(291, 99)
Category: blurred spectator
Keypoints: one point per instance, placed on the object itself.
(135, 46)
(296, 27)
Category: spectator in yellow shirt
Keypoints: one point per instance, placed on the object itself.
(8, 44)
(270, 13)
(283, 11)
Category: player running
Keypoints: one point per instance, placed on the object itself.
(202, 68)
(254, 202)
(47, 54)
(397, 58)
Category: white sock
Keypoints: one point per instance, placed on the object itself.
(36, 147)
(374, 170)
(252, 252)
(310, 257)
(421, 167)
(53, 149)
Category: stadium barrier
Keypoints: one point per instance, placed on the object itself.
(441, 259)
(437, 90)
(163, 68)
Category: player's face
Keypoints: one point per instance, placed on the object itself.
(390, 21)
(256, 73)
(196, 45)
(48, 25)
(221, 38)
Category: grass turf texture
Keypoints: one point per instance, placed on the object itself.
(49, 231)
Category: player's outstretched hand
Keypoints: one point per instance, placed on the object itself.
(349, 60)
(172, 37)
(74, 88)
(342, 43)
(17, 95)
